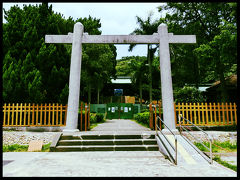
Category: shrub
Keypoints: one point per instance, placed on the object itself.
(99, 117)
(142, 118)
(189, 94)
(96, 117)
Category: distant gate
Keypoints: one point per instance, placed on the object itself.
(120, 111)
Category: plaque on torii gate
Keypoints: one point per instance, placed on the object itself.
(77, 38)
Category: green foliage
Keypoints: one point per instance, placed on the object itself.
(34, 71)
(213, 57)
(96, 117)
(188, 95)
(15, 148)
(142, 118)
(224, 163)
(226, 145)
(23, 148)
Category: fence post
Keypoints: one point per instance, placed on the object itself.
(88, 115)
(53, 107)
(206, 108)
(211, 111)
(85, 116)
(227, 113)
(175, 114)
(37, 115)
(151, 116)
(235, 112)
(231, 114)
(49, 114)
(4, 116)
(41, 116)
(13, 114)
(160, 122)
(9, 113)
(16, 115)
(65, 116)
(223, 113)
(61, 111)
(219, 116)
(81, 115)
(155, 116)
(21, 114)
(57, 115)
(45, 114)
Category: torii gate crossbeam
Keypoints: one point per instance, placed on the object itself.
(77, 38)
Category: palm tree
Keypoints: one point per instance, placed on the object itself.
(138, 71)
(147, 28)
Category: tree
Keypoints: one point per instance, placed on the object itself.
(34, 71)
(138, 68)
(147, 28)
(205, 20)
(23, 41)
(222, 51)
(98, 62)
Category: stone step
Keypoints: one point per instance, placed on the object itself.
(108, 148)
(73, 142)
(130, 136)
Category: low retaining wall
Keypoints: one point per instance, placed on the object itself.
(24, 137)
(216, 135)
(35, 128)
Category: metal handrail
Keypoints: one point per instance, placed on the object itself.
(180, 117)
(174, 148)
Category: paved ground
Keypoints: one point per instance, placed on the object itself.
(105, 164)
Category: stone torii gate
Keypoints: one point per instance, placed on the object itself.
(77, 38)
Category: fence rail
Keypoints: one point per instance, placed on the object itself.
(34, 115)
(207, 114)
(22, 115)
(201, 114)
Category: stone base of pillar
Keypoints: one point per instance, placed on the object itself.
(167, 132)
(70, 130)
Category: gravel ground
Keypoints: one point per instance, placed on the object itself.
(24, 137)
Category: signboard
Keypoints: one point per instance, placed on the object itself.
(118, 92)
(113, 109)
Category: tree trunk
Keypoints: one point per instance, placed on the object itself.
(98, 95)
(140, 92)
(150, 73)
(89, 92)
(220, 71)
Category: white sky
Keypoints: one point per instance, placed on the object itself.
(115, 18)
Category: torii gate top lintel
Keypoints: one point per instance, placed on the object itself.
(121, 39)
(77, 38)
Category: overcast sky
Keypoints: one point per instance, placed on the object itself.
(116, 18)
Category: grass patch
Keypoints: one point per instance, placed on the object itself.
(15, 148)
(95, 124)
(227, 146)
(142, 124)
(23, 148)
(225, 163)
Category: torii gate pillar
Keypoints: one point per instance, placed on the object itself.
(166, 78)
(74, 79)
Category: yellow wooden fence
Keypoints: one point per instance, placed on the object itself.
(34, 115)
(207, 114)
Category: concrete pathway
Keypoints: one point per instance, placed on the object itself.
(106, 164)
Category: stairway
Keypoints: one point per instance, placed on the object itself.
(67, 143)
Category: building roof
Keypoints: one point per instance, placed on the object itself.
(230, 80)
(122, 80)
